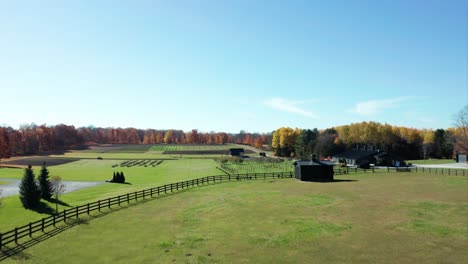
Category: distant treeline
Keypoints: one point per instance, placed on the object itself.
(407, 143)
(33, 139)
(402, 142)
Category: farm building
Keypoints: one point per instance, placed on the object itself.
(236, 151)
(363, 158)
(313, 170)
(462, 158)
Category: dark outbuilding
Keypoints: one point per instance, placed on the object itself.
(236, 151)
(313, 170)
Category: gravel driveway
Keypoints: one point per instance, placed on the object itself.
(12, 188)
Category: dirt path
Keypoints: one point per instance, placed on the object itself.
(12, 188)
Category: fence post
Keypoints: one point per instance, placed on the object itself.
(151, 192)
(65, 215)
(30, 229)
(128, 198)
(108, 203)
(76, 211)
(99, 205)
(53, 221)
(87, 208)
(42, 229)
(136, 196)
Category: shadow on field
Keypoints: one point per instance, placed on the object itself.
(342, 181)
(44, 208)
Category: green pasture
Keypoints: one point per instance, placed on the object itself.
(431, 161)
(364, 218)
(255, 166)
(181, 147)
(13, 214)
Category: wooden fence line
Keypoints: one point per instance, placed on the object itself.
(443, 171)
(14, 235)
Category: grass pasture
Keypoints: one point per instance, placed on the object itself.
(188, 147)
(373, 218)
(234, 166)
(431, 161)
(139, 177)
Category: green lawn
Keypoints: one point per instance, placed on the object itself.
(13, 214)
(432, 161)
(377, 218)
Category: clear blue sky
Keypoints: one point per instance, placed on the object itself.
(232, 65)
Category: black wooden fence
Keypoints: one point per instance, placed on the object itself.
(442, 171)
(14, 235)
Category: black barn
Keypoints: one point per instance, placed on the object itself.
(313, 171)
(236, 151)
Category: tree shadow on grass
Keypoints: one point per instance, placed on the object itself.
(62, 203)
(44, 208)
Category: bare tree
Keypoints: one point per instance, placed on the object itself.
(58, 188)
(461, 122)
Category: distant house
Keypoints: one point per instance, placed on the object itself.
(313, 170)
(236, 151)
(363, 158)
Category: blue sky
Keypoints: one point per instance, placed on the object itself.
(232, 65)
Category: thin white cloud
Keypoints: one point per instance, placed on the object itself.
(289, 106)
(373, 107)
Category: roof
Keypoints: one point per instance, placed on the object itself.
(308, 163)
(356, 154)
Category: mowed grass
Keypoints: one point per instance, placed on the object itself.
(432, 161)
(181, 147)
(377, 218)
(13, 214)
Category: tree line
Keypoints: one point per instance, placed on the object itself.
(32, 139)
(403, 142)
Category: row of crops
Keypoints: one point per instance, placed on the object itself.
(257, 166)
(138, 163)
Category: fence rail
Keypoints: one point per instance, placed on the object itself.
(18, 233)
(443, 171)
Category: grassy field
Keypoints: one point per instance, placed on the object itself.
(432, 161)
(13, 214)
(165, 147)
(373, 218)
(255, 166)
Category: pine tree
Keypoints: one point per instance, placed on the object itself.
(44, 183)
(114, 177)
(29, 191)
(122, 177)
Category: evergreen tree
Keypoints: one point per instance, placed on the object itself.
(28, 189)
(44, 183)
(122, 177)
(114, 177)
